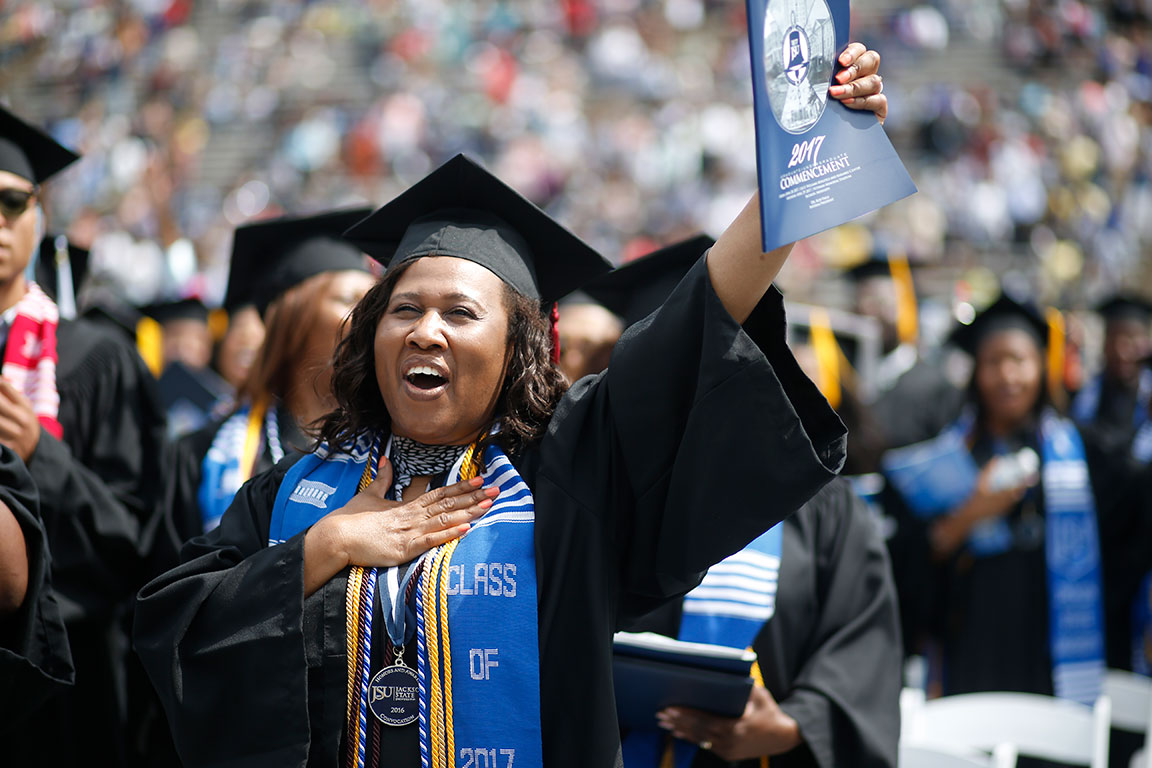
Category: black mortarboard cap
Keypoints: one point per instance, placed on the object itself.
(462, 210)
(29, 152)
(180, 309)
(1002, 314)
(47, 274)
(636, 289)
(269, 257)
(876, 265)
(1125, 306)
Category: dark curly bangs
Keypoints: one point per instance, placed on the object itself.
(532, 386)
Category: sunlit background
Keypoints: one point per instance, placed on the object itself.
(1026, 125)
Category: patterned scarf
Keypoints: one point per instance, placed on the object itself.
(412, 459)
(30, 356)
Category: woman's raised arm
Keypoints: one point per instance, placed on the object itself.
(739, 270)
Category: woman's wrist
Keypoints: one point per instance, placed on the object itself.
(789, 736)
(324, 553)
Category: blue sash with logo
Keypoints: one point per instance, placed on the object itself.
(729, 607)
(490, 596)
(1072, 549)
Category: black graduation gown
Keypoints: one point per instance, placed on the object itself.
(990, 613)
(648, 473)
(831, 654)
(35, 660)
(99, 497)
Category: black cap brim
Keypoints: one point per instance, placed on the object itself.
(1125, 306)
(462, 210)
(272, 256)
(1003, 314)
(29, 152)
(636, 289)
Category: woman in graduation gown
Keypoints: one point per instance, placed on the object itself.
(819, 610)
(1011, 522)
(303, 280)
(586, 508)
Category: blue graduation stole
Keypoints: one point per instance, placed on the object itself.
(729, 607)
(1072, 555)
(221, 473)
(491, 658)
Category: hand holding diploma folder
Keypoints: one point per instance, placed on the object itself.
(653, 672)
(821, 162)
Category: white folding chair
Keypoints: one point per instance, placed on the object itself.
(918, 756)
(1038, 726)
(1131, 696)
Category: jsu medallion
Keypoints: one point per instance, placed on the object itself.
(394, 695)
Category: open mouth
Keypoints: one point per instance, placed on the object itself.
(425, 377)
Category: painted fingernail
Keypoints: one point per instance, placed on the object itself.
(463, 529)
(476, 482)
(836, 90)
(485, 504)
(492, 491)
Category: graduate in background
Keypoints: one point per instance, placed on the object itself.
(820, 613)
(238, 348)
(588, 332)
(914, 399)
(78, 406)
(303, 279)
(1010, 519)
(1115, 402)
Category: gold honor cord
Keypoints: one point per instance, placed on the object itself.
(442, 747)
(435, 580)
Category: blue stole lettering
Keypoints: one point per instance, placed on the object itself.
(491, 598)
(1072, 551)
(729, 607)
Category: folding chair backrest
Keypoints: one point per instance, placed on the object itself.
(1131, 696)
(1039, 726)
(915, 756)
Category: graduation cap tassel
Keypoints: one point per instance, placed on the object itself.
(827, 356)
(554, 321)
(907, 322)
(1056, 341)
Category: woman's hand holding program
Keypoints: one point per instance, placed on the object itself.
(859, 85)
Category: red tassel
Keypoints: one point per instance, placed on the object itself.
(555, 332)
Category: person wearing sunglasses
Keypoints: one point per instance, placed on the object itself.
(79, 408)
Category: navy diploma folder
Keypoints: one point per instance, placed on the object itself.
(653, 672)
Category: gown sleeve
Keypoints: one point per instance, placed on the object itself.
(232, 611)
(35, 659)
(700, 435)
(845, 696)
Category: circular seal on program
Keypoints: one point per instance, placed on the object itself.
(394, 695)
(799, 56)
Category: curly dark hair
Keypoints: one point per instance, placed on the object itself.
(532, 385)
